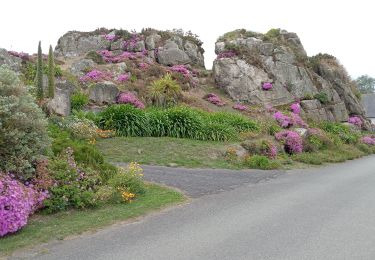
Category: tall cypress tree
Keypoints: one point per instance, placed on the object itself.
(39, 75)
(51, 74)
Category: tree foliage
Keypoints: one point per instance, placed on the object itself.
(366, 84)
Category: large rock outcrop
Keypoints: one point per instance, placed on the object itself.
(246, 60)
(165, 47)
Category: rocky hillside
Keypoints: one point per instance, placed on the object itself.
(167, 48)
(246, 60)
(265, 70)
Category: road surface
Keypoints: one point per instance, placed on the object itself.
(320, 213)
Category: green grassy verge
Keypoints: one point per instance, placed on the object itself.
(165, 150)
(43, 228)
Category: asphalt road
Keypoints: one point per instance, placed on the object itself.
(321, 213)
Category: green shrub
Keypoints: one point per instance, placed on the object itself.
(238, 121)
(185, 123)
(316, 140)
(272, 34)
(180, 122)
(84, 153)
(23, 127)
(342, 131)
(219, 132)
(165, 91)
(260, 162)
(74, 186)
(322, 97)
(126, 120)
(159, 122)
(308, 158)
(78, 100)
(95, 57)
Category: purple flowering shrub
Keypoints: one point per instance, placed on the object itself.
(95, 76)
(123, 78)
(239, 107)
(291, 140)
(369, 140)
(295, 108)
(131, 43)
(355, 120)
(226, 54)
(289, 121)
(17, 203)
(129, 98)
(143, 65)
(267, 86)
(110, 37)
(214, 99)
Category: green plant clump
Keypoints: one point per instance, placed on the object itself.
(78, 101)
(165, 91)
(180, 122)
(322, 97)
(260, 162)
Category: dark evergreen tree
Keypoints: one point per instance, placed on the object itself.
(51, 74)
(39, 75)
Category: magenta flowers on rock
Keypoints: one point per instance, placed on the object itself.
(267, 86)
(296, 108)
(226, 54)
(95, 76)
(292, 141)
(288, 121)
(239, 107)
(355, 120)
(110, 37)
(123, 78)
(214, 99)
(369, 140)
(129, 98)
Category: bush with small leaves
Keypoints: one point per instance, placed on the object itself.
(23, 131)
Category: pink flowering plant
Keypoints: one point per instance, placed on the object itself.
(214, 99)
(95, 76)
(295, 108)
(267, 86)
(369, 140)
(143, 65)
(286, 121)
(129, 98)
(355, 120)
(123, 77)
(226, 54)
(17, 203)
(291, 140)
(110, 37)
(239, 107)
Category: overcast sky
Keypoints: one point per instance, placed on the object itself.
(342, 28)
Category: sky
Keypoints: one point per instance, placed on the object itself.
(343, 28)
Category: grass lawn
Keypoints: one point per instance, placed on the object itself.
(43, 228)
(166, 150)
